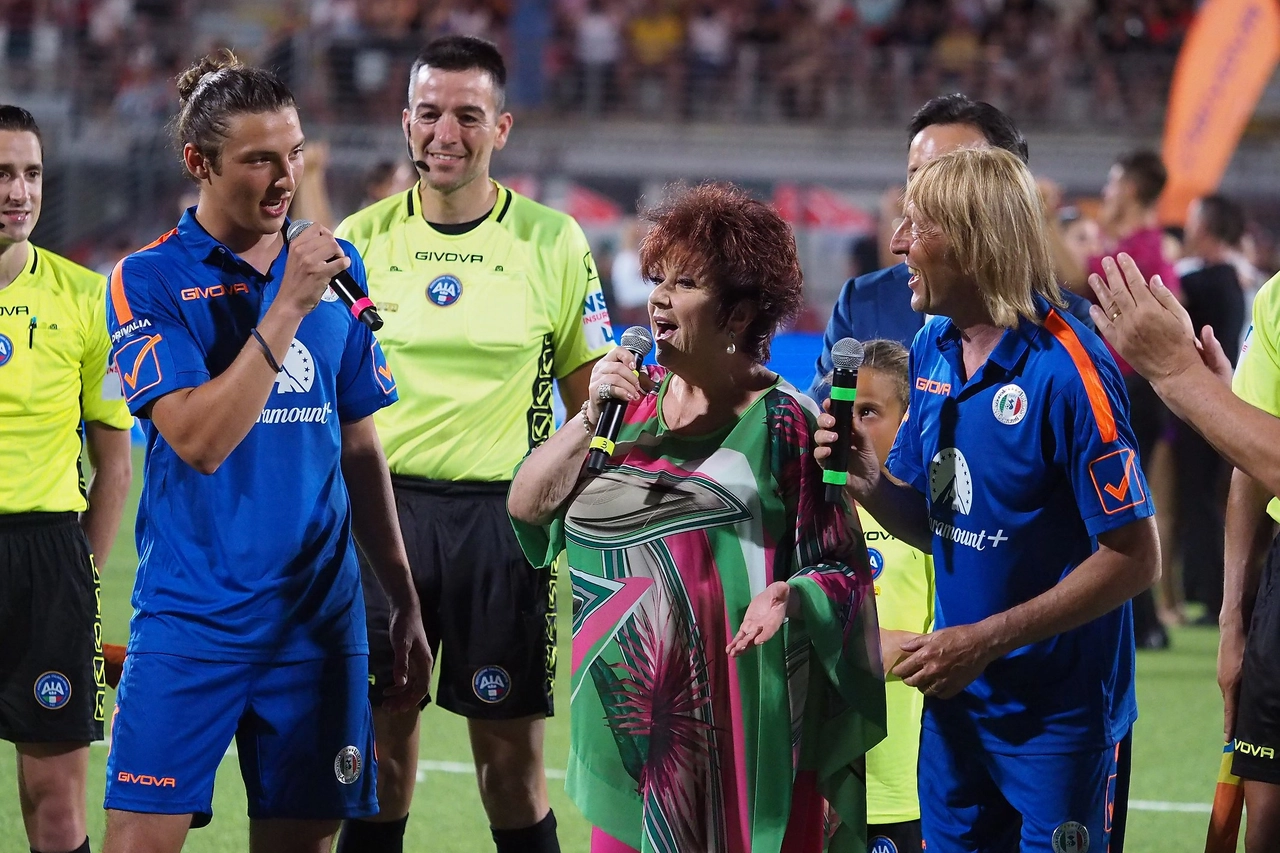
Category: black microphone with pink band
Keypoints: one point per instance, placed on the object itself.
(362, 307)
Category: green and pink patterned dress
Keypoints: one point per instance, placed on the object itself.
(676, 747)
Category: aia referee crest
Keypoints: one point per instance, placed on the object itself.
(52, 690)
(444, 290)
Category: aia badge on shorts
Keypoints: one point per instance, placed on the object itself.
(444, 290)
(880, 844)
(491, 684)
(1071, 837)
(347, 765)
(53, 690)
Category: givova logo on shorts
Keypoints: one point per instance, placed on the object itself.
(53, 690)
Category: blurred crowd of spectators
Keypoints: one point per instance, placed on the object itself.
(834, 60)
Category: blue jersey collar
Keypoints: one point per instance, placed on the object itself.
(1007, 355)
(208, 250)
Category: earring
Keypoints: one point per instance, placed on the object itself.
(731, 349)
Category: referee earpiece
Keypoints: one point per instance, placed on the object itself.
(420, 164)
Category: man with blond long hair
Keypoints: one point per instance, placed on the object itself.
(1017, 469)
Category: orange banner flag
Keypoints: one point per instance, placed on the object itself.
(1226, 61)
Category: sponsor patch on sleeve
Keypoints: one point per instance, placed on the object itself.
(382, 370)
(595, 322)
(139, 365)
(111, 387)
(1116, 481)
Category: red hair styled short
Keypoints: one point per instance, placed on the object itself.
(741, 246)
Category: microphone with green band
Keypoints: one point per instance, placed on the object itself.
(639, 341)
(846, 357)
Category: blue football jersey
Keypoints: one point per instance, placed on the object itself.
(256, 561)
(1023, 465)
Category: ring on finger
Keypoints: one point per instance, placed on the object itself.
(1115, 312)
(604, 391)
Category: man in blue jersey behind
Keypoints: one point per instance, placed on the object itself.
(878, 304)
(1017, 468)
(258, 388)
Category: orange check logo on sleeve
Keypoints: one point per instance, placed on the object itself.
(139, 365)
(382, 370)
(1115, 479)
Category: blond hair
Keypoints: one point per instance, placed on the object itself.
(986, 203)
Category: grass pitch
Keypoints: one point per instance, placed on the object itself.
(1177, 746)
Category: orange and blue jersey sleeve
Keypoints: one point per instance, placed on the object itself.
(1093, 440)
(904, 460)
(365, 382)
(151, 345)
(101, 397)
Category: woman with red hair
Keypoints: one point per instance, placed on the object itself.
(723, 690)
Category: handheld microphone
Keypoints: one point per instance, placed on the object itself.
(639, 341)
(846, 356)
(362, 307)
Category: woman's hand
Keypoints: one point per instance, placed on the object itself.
(763, 618)
(618, 374)
(864, 466)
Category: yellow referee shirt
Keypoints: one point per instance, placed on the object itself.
(477, 326)
(53, 374)
(903, 578)
(1257, 377)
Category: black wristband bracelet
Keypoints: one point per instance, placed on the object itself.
(266, 351)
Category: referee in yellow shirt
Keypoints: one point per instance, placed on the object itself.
(488, 297)
(53, 532)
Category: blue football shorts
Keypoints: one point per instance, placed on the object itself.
(974, 800)
(303, 733)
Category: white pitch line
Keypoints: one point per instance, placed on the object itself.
(463, 768)
(1161, 806)
(466, 769)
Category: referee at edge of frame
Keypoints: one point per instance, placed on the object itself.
(54, 377)
(487, 297)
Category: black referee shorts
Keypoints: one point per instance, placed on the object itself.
(1257, 732)
(52, 687)
(489, 615)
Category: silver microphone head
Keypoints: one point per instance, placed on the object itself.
(296, 227)
(638, 340)
(847, 354)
